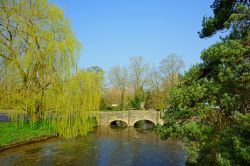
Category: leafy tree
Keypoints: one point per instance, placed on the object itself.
(72, 101)
(210, 107)
(38, 69)
(38, 48)
(228, 14)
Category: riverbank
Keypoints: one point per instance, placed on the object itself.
(12, 136)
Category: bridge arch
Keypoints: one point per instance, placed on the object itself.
(149, 121)
(121, 123)
(129, 117)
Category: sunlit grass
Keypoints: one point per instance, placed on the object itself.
(10, 132)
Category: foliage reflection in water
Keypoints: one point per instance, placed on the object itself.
(104, 146)
(144, 124)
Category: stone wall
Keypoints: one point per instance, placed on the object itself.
(129, 117)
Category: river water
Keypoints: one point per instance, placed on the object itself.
(105, 146)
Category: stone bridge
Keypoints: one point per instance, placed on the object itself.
(129, 117)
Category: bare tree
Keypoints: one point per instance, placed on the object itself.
(170, 67)
(118, 77)
(171, 64)
(139, 72)
(154, 80)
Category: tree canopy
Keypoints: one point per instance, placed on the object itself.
(228, 14)
(38, 63)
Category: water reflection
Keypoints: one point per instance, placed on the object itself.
(144, 124)
(104, 147)
(118, 123)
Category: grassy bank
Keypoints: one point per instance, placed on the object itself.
(10, 132)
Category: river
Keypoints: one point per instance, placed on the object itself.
(105, 146)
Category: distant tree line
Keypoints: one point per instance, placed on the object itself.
(140, 86)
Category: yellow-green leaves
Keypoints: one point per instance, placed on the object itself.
(38, 63)
(76, 98)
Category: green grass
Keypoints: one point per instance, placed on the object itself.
(10, 132)
(4, 110)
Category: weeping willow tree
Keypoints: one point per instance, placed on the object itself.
(38, 55)
(71, 103)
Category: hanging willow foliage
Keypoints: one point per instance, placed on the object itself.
(38, 77)
(66, 106)
(72, 103)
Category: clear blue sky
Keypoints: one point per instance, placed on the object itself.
(111, 31)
